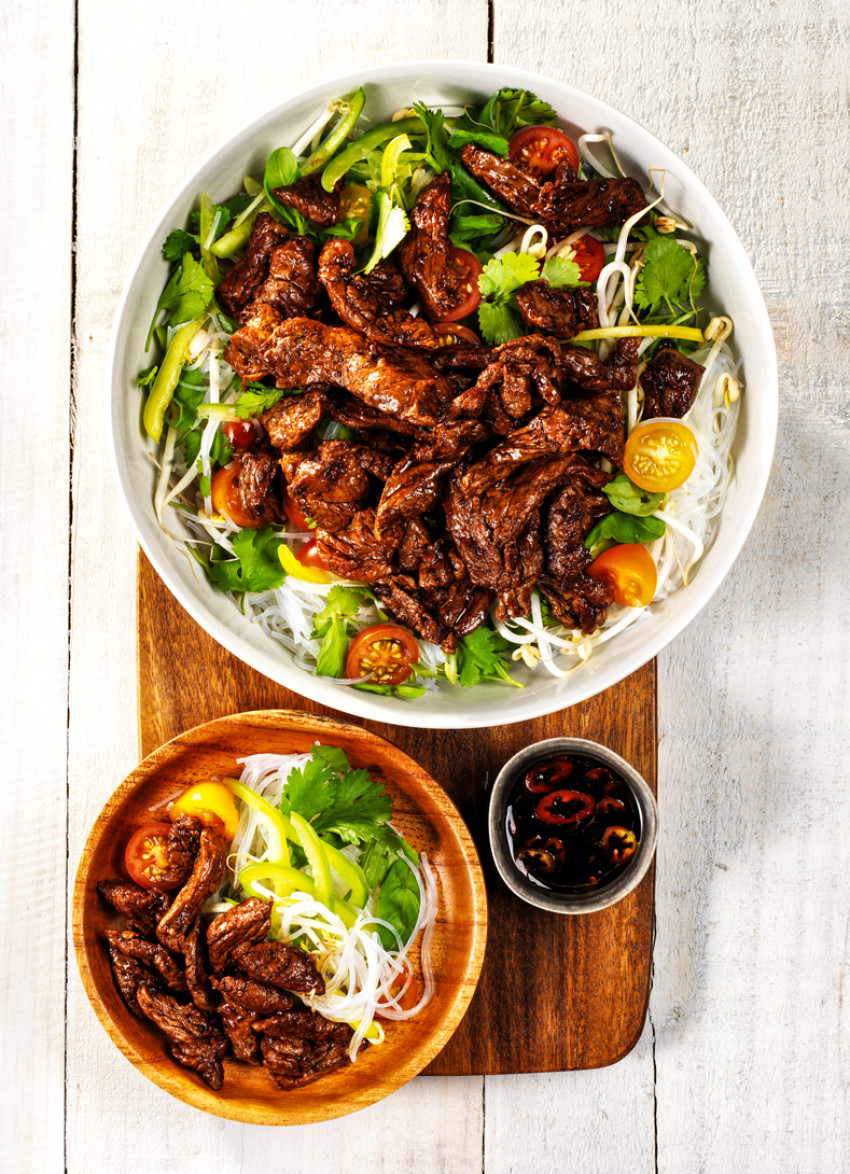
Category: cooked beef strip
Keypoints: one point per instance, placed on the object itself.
(197, 978)
(251, 995)
(426, 252)
(371, 306)
(331, 485)
(194, 1039)
(392, 380)
(293, 418)
(622, 365)
(670, 382)
(142, 907)
(130, 943)
(514, 187)
(345, 409)
(563, 312)
(413, 487)
(497, 530)
(572, 513)
(205, 879)
(593, 203)
(292, 286)
(282, 966)
(303, 1024)
(593, 423)
(293, 1063)
(238, 287)
(355, 552)
(257, 484)
(244, 349)
(238, 1023)
(130, 974)
(244, 924)
(521, 375)
(308, 197)
(582, 604)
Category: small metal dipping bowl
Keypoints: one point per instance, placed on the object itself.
(605, 894)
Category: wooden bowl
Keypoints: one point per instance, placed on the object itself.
(422, 812)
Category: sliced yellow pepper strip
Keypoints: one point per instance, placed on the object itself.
(689, 332)
(167, 378)
(297, 570)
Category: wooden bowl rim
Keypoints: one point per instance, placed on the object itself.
(180, 1082)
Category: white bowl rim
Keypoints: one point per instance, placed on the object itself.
(520, 707)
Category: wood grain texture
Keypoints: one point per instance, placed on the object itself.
(423, 815)
(35, 318)
(577, 987)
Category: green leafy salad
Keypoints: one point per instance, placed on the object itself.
(641, 278)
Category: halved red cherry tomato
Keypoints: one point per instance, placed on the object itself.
(295, 514)
(470, 269)
(631, 572)
(454, 334)
(309, 556)
(567, 808)
(660, 455)
(212, 803)
(146, 858)
(243, 433)
(224, 492)
(537, 150)
(354, 200)
(385, 652)
(411, 995)
(588, 253)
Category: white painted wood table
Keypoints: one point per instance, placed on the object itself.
(745, 1061)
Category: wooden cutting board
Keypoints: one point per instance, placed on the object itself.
(556, 992)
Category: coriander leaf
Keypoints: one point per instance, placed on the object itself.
(629, 498)
(437, 157)
(177, 243)
(256, 399)
(398, 903)
(509, 110)
(504, 275)
(499, 324)
(482, 138)
(221, 451)
(479, 658)
(340, 602)
(338, 800)
(671, 275)
(191, 446)
(332, 756)
(561, 273)
(188, 394)
(256, 566)
(331, 659)
(625, 528)
(190, 294)
(145, 378)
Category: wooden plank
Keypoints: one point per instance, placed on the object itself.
(577, 987)
(36, 184)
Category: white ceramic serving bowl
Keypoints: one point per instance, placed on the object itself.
(733, 286)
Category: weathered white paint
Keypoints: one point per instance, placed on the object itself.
(744, 1064)
(35, 329)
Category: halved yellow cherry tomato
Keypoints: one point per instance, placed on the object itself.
(354, 200)
(631, 572)
(660, 455)
(211, 803)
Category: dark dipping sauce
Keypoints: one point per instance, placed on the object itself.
(572, 824)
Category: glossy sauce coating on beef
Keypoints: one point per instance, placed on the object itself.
(458, 490)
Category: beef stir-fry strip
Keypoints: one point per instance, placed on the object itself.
(242, 926)
(670, 382)
(205, 879)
